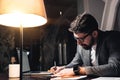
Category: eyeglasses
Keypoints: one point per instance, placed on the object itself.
(82, 39)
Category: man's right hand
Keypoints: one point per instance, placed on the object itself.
(56, 69)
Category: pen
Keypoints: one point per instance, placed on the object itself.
(55, 65)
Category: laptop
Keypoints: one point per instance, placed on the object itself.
(26, 66)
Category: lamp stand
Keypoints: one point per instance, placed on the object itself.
(21, 49)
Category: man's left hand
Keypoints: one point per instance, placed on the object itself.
(66, 72)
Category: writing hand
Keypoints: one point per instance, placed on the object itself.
(56, 69)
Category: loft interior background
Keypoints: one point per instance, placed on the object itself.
(44, 42)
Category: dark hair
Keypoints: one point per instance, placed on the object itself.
(84, 24)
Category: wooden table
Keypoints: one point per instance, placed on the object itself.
(4, 76)
(36, 78)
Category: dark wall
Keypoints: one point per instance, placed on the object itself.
(44, 52)
(7, 44)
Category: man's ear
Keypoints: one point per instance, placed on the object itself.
(95, 33)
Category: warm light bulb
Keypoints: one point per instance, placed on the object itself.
(26, 20)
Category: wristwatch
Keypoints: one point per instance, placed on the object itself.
(76, 70)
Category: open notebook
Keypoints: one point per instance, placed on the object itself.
(26, 67)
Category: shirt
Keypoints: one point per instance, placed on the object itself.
(93, 55)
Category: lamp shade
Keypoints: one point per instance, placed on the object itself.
(28, 13)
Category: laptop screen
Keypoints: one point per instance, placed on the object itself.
(25, 61)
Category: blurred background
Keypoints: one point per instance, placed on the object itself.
(52, 42)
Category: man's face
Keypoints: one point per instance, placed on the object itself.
(86, 40)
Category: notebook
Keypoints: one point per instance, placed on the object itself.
(26, 67)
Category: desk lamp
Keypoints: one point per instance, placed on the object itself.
(22, 14)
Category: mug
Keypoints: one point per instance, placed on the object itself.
(14, 70)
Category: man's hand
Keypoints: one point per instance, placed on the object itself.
(66, 72)
(56, 69)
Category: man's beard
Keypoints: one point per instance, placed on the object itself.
(87, 47)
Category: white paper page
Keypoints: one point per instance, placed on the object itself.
(107, 78)
(68, 78)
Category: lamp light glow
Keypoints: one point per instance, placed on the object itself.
(28, 13)
(26, 20)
